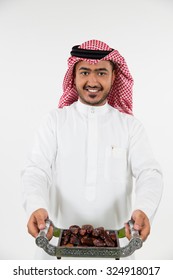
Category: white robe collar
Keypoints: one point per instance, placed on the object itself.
(86, 109)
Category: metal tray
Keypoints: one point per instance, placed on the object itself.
(89, 252)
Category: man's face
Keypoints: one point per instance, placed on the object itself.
(93, 81)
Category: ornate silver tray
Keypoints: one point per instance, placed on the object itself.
(89, 252)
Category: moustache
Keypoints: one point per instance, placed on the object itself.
(93, 87)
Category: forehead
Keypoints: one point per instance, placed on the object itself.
(100, 65)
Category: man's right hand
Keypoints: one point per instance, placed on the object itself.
(37, 222)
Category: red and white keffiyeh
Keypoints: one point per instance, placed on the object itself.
(120, 95)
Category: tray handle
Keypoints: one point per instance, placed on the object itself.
(134, 232)
(42, 240)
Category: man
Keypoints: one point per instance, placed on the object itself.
(88, 151)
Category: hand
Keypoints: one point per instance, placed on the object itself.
(37, 222)
(141, 223)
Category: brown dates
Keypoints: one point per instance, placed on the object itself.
(87, 236)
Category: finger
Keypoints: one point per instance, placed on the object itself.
(145, 230)
(144, 234)
(37, 222)
(50, 233)
(127, 231)
(139, 221)
(41, 217)
(32, 227)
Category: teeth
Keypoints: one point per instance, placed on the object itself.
(93, 90)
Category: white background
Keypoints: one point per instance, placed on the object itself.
(36, 37)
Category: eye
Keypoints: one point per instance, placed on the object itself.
(101, 73)
(84, 73)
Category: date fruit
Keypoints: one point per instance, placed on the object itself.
(87, 236)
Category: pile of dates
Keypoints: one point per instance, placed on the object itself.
(88, 236)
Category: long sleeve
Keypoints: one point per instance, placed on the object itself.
(37, 175)
(147, 172)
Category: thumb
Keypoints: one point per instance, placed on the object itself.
(138, 220)
(41, 217)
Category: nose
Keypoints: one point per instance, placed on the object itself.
(92, 79)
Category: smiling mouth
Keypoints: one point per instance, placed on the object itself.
(93, 90)
(93, 93)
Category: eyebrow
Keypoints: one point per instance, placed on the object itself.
(97, 70)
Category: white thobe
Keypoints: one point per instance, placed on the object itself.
(82, 166)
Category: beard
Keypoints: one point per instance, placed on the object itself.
(93, 102)
(92, 98)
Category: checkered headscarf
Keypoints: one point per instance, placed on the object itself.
(120, 95)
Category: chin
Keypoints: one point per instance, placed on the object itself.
(97, 103)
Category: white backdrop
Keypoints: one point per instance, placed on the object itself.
(36, 37)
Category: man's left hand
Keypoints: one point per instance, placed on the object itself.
(141, 223)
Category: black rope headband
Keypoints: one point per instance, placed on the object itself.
(91, 54)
